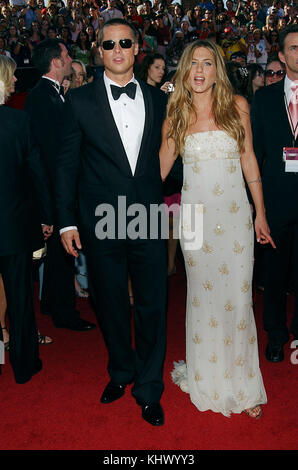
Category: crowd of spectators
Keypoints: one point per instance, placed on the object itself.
(246, 31)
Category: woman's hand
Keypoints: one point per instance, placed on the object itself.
(263, 231)
(165, 87)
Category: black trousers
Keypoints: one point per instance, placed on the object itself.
(108, 266)
(276, 279)
(23, 341)
(58, 289)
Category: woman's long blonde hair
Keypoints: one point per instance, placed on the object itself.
(7, 70)
(181, 108)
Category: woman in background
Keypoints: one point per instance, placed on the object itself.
(21, 230)
(256, 80)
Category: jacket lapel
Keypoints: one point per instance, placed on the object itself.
(280, 104)
(147, 127)
(109, 128)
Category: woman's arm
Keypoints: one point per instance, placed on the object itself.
(252, 175)
(167, 153)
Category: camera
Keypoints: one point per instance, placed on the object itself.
(170, 87)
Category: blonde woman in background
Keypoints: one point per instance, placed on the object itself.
(210, 127)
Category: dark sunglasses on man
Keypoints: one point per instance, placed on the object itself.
(271, 73)
(109, 44)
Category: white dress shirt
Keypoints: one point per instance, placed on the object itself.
(288, 92)
(287, 89)
(129, 117)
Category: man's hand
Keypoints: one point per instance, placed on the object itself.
(71, 242)
(47, 231)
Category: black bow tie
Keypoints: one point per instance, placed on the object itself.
(130, 89)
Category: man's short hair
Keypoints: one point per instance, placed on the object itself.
(45, 52)
(115, 22)
(292, 28)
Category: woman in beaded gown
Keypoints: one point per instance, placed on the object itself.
(210, 128)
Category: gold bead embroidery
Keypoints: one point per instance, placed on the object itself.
(252, 339)
(215, 396)
(207, 248)
(213, 358)
(196, 302)
(251, 374)
(227, 375)
(208, 285)
(242, 325)
(240, 361)
(228, 341)
(198, 377)
(191, 262)
(196, 169)
(213, 323)
(223, 269)
(234, 208)
(229, 307)
(249, 224)
(185, 186)
(218, 230)
(238, 249)
(217, 190)
(245, 287)
(231, 168)
(197, 339)
(241, 395)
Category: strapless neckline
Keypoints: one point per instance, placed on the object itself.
(203, 132)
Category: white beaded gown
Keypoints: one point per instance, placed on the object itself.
(222, 371)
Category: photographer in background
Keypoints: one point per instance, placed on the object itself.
(232, 43)
(242, 12)
(22, 52)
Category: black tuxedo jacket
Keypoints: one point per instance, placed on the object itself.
(93, 161)
(272, 132)
(45, 108)
(22, 178)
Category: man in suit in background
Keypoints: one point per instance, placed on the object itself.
(116, 121)
(44, 105)
(274, 124)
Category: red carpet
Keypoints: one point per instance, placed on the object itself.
(59, 408)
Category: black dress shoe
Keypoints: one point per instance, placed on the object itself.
(274, 352)
(112, 392)
(79, 325)
(153, 414)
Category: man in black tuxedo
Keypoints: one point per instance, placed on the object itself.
(44, 105)
(272, 131)
(116, 122)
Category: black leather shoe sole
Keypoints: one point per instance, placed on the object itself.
(274, 353)
(153, 414)
(112, 392)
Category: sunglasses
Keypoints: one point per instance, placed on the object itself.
(123, 43)
(271, 73)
